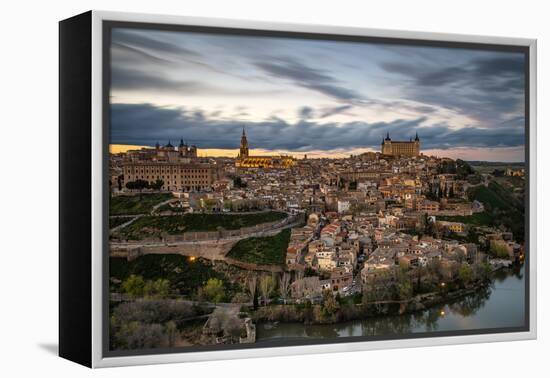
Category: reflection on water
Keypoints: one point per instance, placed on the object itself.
(500, 305)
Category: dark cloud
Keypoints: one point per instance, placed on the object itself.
(307, 77)
(513, 66)
(335, 110)
(133, 49)
(125, 78)
(122, 53)
(442, 77)
(132, 79)
(144, 124)
(139, 41)
(490, 89)
(305, 112)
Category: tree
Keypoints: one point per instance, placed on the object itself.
(498, 172)
(255, 301)
(498, 249)
(223, 322)
(310, 272)
(170, 330)
(239, 183)
(428, 225)
(159, 288)
(420, 271)
(137, 184)
(133, 286)
(434, 269)
(137, 335)
(284, 285)
(482, 270)
(252, 283)
(214, 290)
(240, 297)
(330, 304)
(403, 286)
(157, 185)
(465, 274)
(119, 181)
(266, 287)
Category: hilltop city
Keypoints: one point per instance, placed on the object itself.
(311, 240)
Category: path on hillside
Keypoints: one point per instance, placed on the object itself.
(152, 244)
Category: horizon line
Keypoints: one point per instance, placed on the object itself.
(315, 154)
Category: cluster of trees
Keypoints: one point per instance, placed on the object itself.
(348, 184)
(136, 287)
(246, 205)
(238, 182)
(328, 310)
(506, 208)
(143, 184)
(226, 324)
(261, 288)
(212, 291)
(459, 167)
(402, 284)
(498, 172)
(385, 289)
(210, 204)
(499, 250)
(435, 192)
(149, 323)
(332, 308)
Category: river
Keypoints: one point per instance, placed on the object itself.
(497, 306)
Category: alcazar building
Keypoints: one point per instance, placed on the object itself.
(409, 148)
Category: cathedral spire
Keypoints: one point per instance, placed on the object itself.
(417, 138)
(243, 150)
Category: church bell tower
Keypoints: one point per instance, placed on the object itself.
(243, 151)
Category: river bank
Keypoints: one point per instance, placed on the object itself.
(496, 305)
(346, 310)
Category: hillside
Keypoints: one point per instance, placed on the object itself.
(503, 205)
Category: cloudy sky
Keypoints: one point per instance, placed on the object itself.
(314, 97)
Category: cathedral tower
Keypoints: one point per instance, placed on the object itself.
(243, 151)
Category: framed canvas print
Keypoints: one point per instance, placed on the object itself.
(232, 189)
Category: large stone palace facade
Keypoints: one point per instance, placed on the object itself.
(244, 160)
(409, 148)
(179, 169)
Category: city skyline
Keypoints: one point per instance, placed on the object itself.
(320, 98)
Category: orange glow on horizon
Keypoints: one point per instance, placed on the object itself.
(503, 154)
(119, 148)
